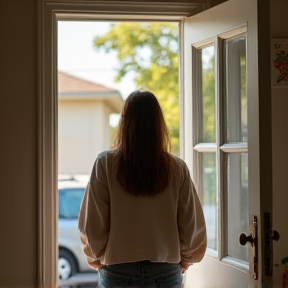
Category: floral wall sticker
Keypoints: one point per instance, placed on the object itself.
(279, 62)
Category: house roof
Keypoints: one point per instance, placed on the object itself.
(69, 83)
(74, 88)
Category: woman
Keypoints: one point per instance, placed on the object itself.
(141, 222)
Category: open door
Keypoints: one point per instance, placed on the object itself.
(222, 144)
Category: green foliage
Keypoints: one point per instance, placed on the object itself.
(150, 51)
(208, 98)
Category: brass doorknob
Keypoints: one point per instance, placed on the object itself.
(243, 239)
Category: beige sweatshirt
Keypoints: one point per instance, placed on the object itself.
(117, 227)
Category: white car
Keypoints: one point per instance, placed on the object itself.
(71, 257)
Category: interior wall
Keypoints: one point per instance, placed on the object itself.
(18, 144)
(279, 29)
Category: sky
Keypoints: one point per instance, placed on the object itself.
(76, 55)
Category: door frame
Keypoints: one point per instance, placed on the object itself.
(49, 12)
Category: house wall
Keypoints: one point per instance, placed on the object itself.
(18, 145)
(83, 132)
(279, 29)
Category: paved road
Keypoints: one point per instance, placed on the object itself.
(80, 280)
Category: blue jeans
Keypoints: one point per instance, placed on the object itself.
(141, 274)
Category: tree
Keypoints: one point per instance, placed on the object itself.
(150, 51)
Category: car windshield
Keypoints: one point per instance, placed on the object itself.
(70, 201)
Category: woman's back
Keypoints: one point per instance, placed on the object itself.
(141, 227)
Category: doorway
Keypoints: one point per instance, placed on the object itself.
(99, 64)
(50, 11)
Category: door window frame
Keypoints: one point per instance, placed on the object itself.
(219, 146)
(49, 12)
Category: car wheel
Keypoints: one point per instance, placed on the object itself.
(66, 265)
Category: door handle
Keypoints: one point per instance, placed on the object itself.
(275, 235)
(253, 240)
(243, 239)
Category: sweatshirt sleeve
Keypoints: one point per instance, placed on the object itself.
(191, 222)
(94, 216)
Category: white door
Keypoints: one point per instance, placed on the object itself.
(222, 144)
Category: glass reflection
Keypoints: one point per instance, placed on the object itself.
(207, 101)
(238, 204)
(208, 196)
(235, 89)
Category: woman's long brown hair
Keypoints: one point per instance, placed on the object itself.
(143, 142)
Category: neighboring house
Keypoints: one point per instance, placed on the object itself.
(83, 122)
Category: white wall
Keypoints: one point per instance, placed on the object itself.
(83, 132)
(279, 29)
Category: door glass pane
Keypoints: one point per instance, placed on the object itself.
(207, 93)
(235, 89)
(208, 196)
(237, 202)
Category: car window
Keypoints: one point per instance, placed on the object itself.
(70, 201)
